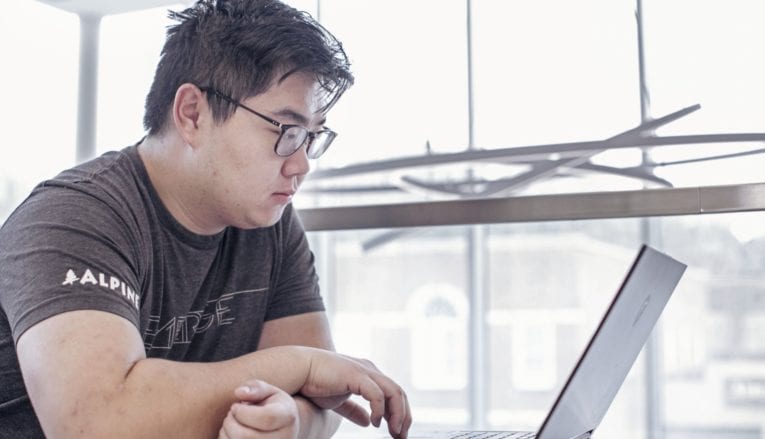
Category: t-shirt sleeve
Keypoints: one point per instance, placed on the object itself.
(66, 250)
(297, 285)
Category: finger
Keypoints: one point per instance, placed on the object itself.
(366, 363)
(395, 404)
(269, 417)
(353, 412)
(395, 410)
(392, 404)
(222, 434)
(407, 420)
(255, 391)
(392, 419)
(233, 429)
(374, 394)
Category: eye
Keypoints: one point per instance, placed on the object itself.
(291, 134)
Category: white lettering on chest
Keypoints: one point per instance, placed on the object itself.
(166, 333)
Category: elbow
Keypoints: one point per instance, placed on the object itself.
(96, 413)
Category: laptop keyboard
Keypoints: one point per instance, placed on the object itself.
(492, 435)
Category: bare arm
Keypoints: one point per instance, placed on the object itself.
(311, 329)
(87, 376)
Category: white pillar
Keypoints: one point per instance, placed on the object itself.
(87, 97)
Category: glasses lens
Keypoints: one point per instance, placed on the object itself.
(291, 140)
(320, 143)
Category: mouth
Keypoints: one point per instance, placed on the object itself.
(284, 196)
(286, 192)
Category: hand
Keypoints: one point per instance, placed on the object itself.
(332, 378)
(263, 411)
(344, 407)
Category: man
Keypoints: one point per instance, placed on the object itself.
(167, 290)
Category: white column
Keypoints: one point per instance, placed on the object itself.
(87, 97)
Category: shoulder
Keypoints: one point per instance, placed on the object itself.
(77, 242)
(109, 186)
(98, 201)
(113, 174)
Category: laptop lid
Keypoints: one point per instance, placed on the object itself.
(608, 357)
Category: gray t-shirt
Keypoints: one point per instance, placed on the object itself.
(98, 237)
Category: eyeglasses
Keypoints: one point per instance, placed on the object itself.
(292, 137)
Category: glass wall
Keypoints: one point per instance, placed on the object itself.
(402, 298)
(438, 77)
(125, 71)
(708, 53)
(38, 46)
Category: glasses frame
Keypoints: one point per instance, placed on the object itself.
(310, 135)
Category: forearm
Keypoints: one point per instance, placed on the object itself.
(102, 385)
(160, 398)
(316, 423)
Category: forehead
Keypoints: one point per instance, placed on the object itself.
(298, 97)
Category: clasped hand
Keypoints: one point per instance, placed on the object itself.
(328, 380)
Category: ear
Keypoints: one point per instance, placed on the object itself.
(190, 110)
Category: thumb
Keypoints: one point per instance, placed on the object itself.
(353, 412)
(253, 391)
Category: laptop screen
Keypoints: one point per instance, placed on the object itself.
(610, 353)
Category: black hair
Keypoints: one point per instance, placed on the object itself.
(239, 47)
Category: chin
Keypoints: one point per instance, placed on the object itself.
(263, 219)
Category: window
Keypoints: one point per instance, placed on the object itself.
(40, 98)
(438, 317)
(542, 72)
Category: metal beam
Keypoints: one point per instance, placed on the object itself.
(591, 205)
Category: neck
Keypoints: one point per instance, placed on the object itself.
(169, 163)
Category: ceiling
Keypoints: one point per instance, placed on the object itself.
(108, 7)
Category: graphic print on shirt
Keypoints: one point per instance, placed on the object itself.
(181, 329)
(112, 283)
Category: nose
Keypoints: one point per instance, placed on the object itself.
(297, 164)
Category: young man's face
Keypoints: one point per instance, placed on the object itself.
(250, 184)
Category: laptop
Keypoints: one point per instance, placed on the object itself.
(608, 357)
